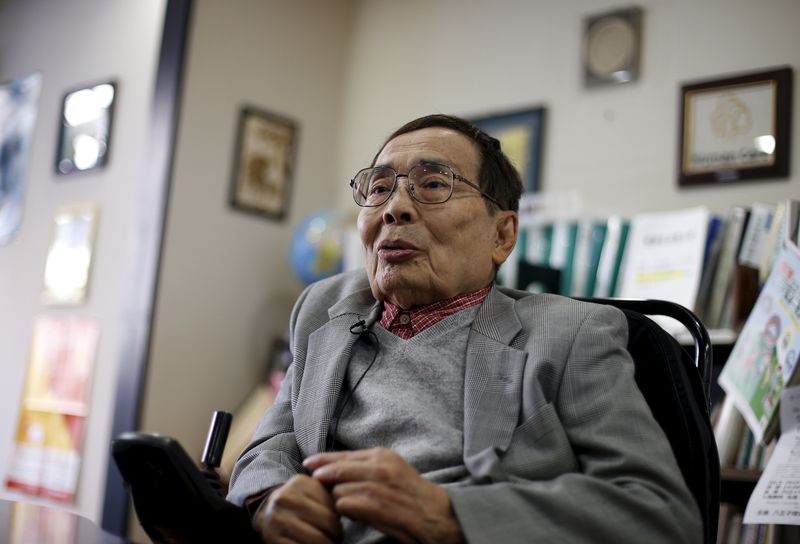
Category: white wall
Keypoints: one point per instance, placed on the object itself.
(226, 287)
(73, 43)
(618, 145)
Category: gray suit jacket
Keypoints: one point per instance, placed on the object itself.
(559, 443)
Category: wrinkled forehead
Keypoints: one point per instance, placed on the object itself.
(433, 144)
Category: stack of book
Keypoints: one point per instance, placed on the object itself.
(731, 529)
(712, 264)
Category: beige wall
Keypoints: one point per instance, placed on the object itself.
(71, 44)
(617, 146)
(226, 287)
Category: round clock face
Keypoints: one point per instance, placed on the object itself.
(610, 46)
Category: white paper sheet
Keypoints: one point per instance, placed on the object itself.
(776, 498)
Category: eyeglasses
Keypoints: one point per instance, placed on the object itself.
(428, 183)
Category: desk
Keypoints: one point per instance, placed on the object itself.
(23, 523)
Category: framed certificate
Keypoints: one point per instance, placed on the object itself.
(735, 128)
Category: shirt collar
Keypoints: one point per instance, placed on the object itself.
(407, 323)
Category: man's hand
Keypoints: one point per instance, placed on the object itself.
(377, 487)
(301, 510)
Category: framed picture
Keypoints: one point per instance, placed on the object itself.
(47, 453)
(18, 99)
(520, 134)
(85, 129)
(263, 163)
(736, 128)
(69, 259)
(611, 47)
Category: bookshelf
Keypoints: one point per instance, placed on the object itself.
(714, 264)
(736, 483)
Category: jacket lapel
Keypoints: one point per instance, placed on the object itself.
(492, 385)
(325, 369)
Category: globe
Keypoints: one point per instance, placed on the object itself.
(317, 247)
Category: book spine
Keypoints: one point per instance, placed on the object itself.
(728, 432)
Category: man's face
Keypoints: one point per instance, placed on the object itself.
(417, 253)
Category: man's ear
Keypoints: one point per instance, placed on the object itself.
(506, 227)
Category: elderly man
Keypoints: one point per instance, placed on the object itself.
(426, 404)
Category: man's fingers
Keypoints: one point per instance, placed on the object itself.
(378, 506)
(293, 529)
(298, 508)
(356, 471)
(377, 464)
(313, 462)
(302, 510)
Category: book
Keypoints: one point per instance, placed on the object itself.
(664, 257)
(562, 252)
(742, 297)
(773, 241)
(537, 243)
(534, 248)
(725, 513)
(764, 359)
(784, 227)
(793, 221)
(745, 449)
(728, 432)
(735, 222)
(714, 237)
(734, 534)
(589, 243)
(755, 234)
(611, 256)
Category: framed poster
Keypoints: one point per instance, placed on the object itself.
(736, 128)
(69, 258)
(46, 456)
(85, 128)
(520, 134)
(263, 163)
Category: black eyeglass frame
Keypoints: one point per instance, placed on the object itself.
(411, 185)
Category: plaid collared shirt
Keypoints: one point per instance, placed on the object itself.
(407, 323)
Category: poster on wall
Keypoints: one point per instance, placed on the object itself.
(17, 118)
(46, 456)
